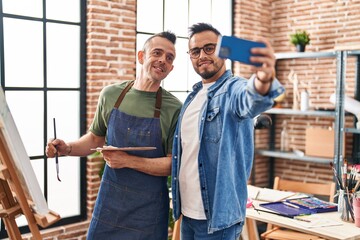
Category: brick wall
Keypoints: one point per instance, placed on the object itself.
(111, 30)
(111, 44)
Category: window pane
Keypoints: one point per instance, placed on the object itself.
(140, 40)
(23, 50)
(149, 16)
(64, 10)
(200, 11)
(64, 107)
(180, 95)
(63, 55)
(27, 111)
(177, 79)
(225, 7)
(31, 8)
(64, 196)
(176, 17)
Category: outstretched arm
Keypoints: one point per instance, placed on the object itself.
(80, 147)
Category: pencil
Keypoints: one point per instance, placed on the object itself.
(291, 205)
(301, 219)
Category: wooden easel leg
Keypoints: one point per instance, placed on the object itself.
(34, 228)
(12, 228)
(8, 202)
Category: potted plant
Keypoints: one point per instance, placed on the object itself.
(300, 39)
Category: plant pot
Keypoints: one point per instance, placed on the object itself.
(300, 48)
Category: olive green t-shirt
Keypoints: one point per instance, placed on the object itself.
(140, 104)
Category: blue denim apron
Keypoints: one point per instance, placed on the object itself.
(132, 205)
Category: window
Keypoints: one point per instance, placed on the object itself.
(170, 15)
(42, 59)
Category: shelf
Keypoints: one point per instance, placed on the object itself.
(293, 156)
(289, 111)
(353, 52)
(352, 130)
(293, 55)
(338, 113)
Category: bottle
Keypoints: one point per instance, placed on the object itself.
(284, 141)
(304, 101)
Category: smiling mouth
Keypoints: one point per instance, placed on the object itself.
(159, 68)
(205, 63)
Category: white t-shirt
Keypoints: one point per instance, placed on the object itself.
(191, 201)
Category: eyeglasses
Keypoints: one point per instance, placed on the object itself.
(208, 49)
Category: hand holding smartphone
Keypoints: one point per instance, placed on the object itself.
(237, 49)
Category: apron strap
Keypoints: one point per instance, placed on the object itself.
(157, 103)
(123, 93)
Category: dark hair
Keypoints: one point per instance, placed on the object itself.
(201, 27)
(166, 34)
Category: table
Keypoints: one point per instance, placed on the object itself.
(346, 231)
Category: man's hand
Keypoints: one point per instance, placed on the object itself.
(115, 159)
(56, 146)
(266, 72)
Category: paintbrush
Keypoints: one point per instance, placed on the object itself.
(356, 186)
(56, 155)
(344, 174)
(336, 176)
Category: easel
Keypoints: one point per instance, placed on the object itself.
(13, 200)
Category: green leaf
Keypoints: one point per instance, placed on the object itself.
(300, 37)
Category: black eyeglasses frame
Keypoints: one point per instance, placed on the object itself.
(196, 55)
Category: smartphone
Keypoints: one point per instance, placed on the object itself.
(237, 49)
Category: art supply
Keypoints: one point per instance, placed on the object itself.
(291, 205)
(356, 207)
(304, 100)
(285, 210)
(112, 148)
(284, 141)
(345, 204)
(56, 155)
(357, 185)
(302, 219)
(347, 191)
(344, 174)
(338, 180)
(313, 204)
(297, 217)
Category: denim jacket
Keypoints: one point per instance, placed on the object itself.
(226, 147)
